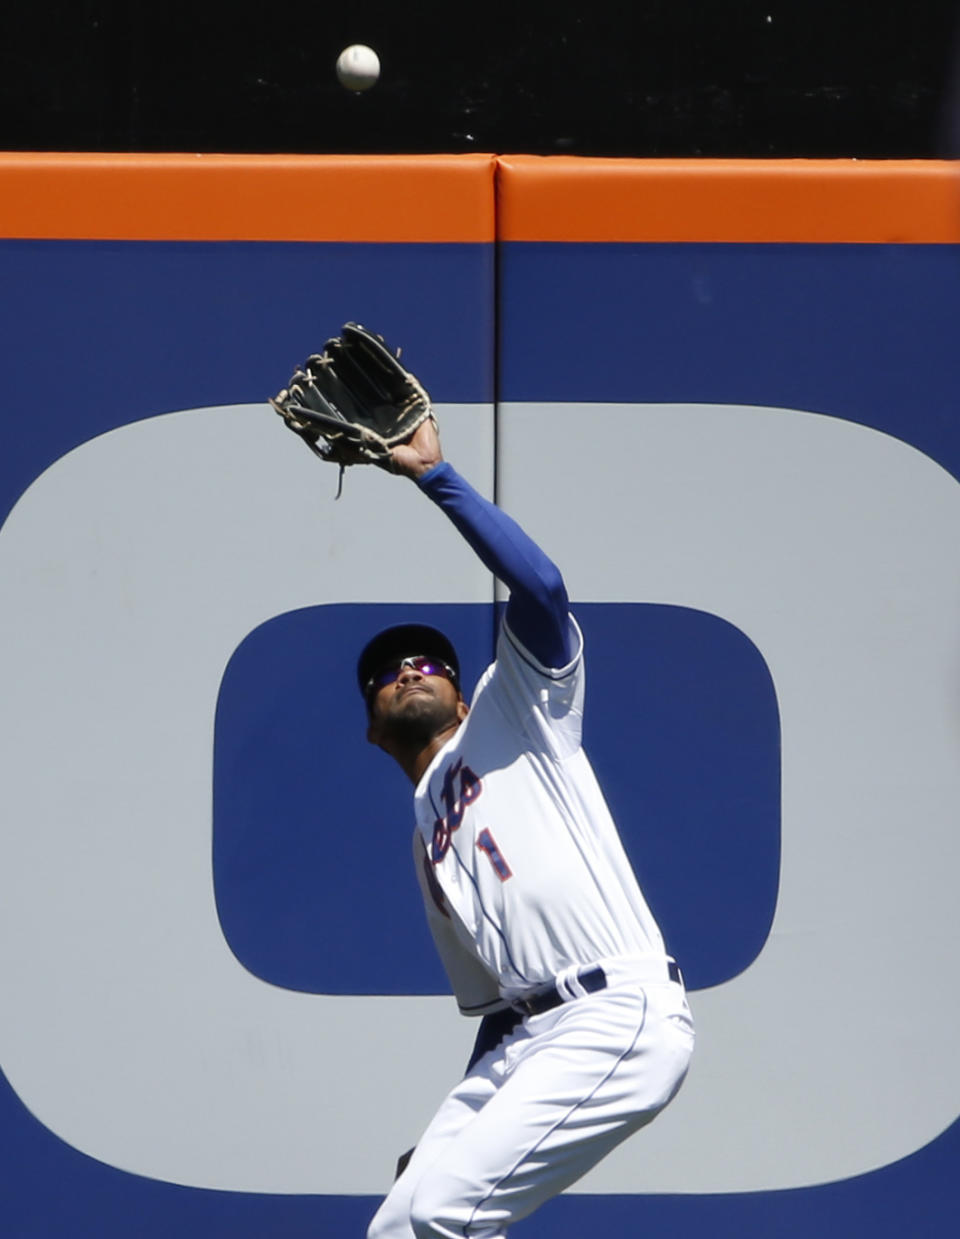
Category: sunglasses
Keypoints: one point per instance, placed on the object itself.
(421, 663)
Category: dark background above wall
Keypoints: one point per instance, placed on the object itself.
(759, 78)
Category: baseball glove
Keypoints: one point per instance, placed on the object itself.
(354, 401)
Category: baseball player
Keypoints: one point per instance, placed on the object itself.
(543, 931)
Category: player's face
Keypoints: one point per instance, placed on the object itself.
(413, 701)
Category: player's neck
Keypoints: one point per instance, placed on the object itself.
(414, 760)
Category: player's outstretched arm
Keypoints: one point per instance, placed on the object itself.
(538, 610)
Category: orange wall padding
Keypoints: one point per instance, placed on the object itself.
(565, 198)
(248, 197)
(450, 198)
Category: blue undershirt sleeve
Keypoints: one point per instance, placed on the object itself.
(538, 610)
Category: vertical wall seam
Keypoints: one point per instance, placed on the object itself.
(497, 354)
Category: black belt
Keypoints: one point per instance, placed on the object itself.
(592, 979)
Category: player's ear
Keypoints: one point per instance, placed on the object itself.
(462, 709)
(373, 727)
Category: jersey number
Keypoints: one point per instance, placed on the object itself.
(487, 843)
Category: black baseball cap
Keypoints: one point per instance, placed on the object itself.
(404, 641)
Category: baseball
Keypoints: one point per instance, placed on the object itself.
(358, 67)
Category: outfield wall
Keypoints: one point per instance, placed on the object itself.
(723, 397)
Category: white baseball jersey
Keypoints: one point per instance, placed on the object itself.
(521, 867)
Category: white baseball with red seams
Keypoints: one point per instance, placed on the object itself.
(358, 67)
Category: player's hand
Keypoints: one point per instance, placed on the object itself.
(420, 452)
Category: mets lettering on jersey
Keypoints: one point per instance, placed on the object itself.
(460, 788)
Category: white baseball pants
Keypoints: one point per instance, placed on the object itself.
(539, 1110)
